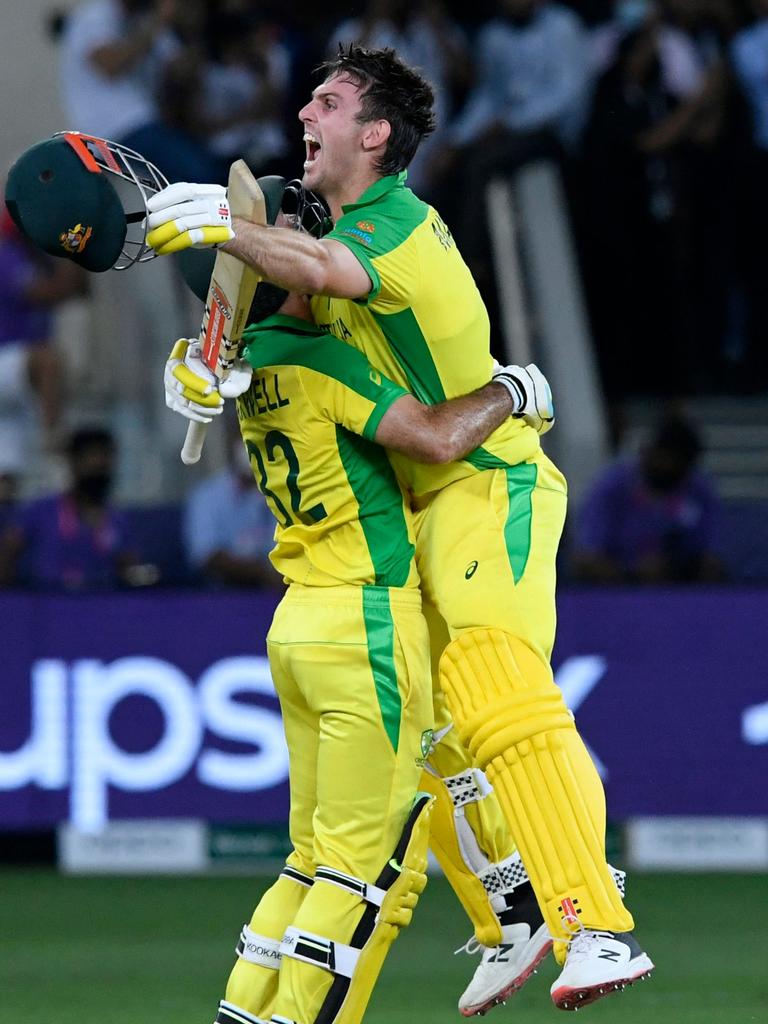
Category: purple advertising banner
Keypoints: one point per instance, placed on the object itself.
(161, 705)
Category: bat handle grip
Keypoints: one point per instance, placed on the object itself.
(193, 442)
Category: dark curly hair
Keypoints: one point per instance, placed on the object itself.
(392, 91)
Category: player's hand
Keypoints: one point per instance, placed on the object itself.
(530, 393)
(185, 215)
(192, 390)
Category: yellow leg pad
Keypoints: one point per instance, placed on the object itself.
(444, 843)
(312, 994)
(250, 985)
(511, 716)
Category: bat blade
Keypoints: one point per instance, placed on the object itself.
(230, 294)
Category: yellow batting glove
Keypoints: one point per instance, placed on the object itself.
(186, 215)
(190, 387)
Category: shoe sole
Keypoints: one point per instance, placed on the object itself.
(574, 998)
(479, 1009)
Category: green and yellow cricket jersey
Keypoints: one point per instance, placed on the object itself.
(423, 324)
(308, 420)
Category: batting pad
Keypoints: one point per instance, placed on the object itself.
(252, 984)
(447, 848)
(334, 951)
(511, 716)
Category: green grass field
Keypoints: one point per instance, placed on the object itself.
(156, 951)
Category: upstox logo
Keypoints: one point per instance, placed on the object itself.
(72, 744)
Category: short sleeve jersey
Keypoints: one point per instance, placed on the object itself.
(308, 422)
(423, 323)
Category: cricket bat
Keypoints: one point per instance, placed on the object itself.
(230, 294)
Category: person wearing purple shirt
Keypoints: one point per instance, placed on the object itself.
(653, 519)
(74, 541)
(31, 286)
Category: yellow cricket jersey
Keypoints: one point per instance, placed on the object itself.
(307, 421)
(423, 324)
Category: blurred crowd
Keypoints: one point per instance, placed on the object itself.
(656, 113)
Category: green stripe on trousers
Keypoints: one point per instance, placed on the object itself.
(380, 633)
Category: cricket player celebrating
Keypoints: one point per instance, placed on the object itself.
(348, 647)
(388, 278)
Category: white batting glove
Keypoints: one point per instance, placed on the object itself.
(193, 391)
(530, 392)
(185, 215)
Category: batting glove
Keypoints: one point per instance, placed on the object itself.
(185, 215)
(531, 394)
(192, 390)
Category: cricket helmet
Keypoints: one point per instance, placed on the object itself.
(84, 198)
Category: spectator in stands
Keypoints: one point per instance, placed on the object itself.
(243, 90)
(427, 38)
(749, 53)
(31, 285)
(652, 519)
(228, 530)
(11, 465)
(73, 541)
(529, 101)
(228, 85)
(114, 55)
(655, 205)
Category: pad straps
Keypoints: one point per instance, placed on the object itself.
(336, 957)
(258, 949)
(370, 894)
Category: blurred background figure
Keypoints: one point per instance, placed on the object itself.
(76, 540)
(228, 530)
(749, 53)
(658, 200)
(243, 95)
(32, 285)
(653, 518)
(426, 36)
(114, 57)
(528, 101)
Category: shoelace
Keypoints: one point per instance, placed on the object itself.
(580, 946)
(471, 946)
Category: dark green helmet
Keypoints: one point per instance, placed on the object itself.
(84, 199)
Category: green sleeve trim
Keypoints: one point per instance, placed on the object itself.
(384, 405)
(380, 633)
(367, 264)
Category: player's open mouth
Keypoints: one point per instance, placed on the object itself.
(313, 148)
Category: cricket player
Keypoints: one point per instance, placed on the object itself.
(389, 279)
(348, 648)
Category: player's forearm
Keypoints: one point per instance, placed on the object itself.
(287, 258)
(464, 423)
(445, 432)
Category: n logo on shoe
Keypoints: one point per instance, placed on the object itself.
(609, 954)
(500, 956)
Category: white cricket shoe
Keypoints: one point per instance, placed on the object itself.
(596, 964)
(505, 968)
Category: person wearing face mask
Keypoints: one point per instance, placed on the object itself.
(652, 519)
(228, 529)
(74, 541)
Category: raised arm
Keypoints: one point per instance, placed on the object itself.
(299, 262)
